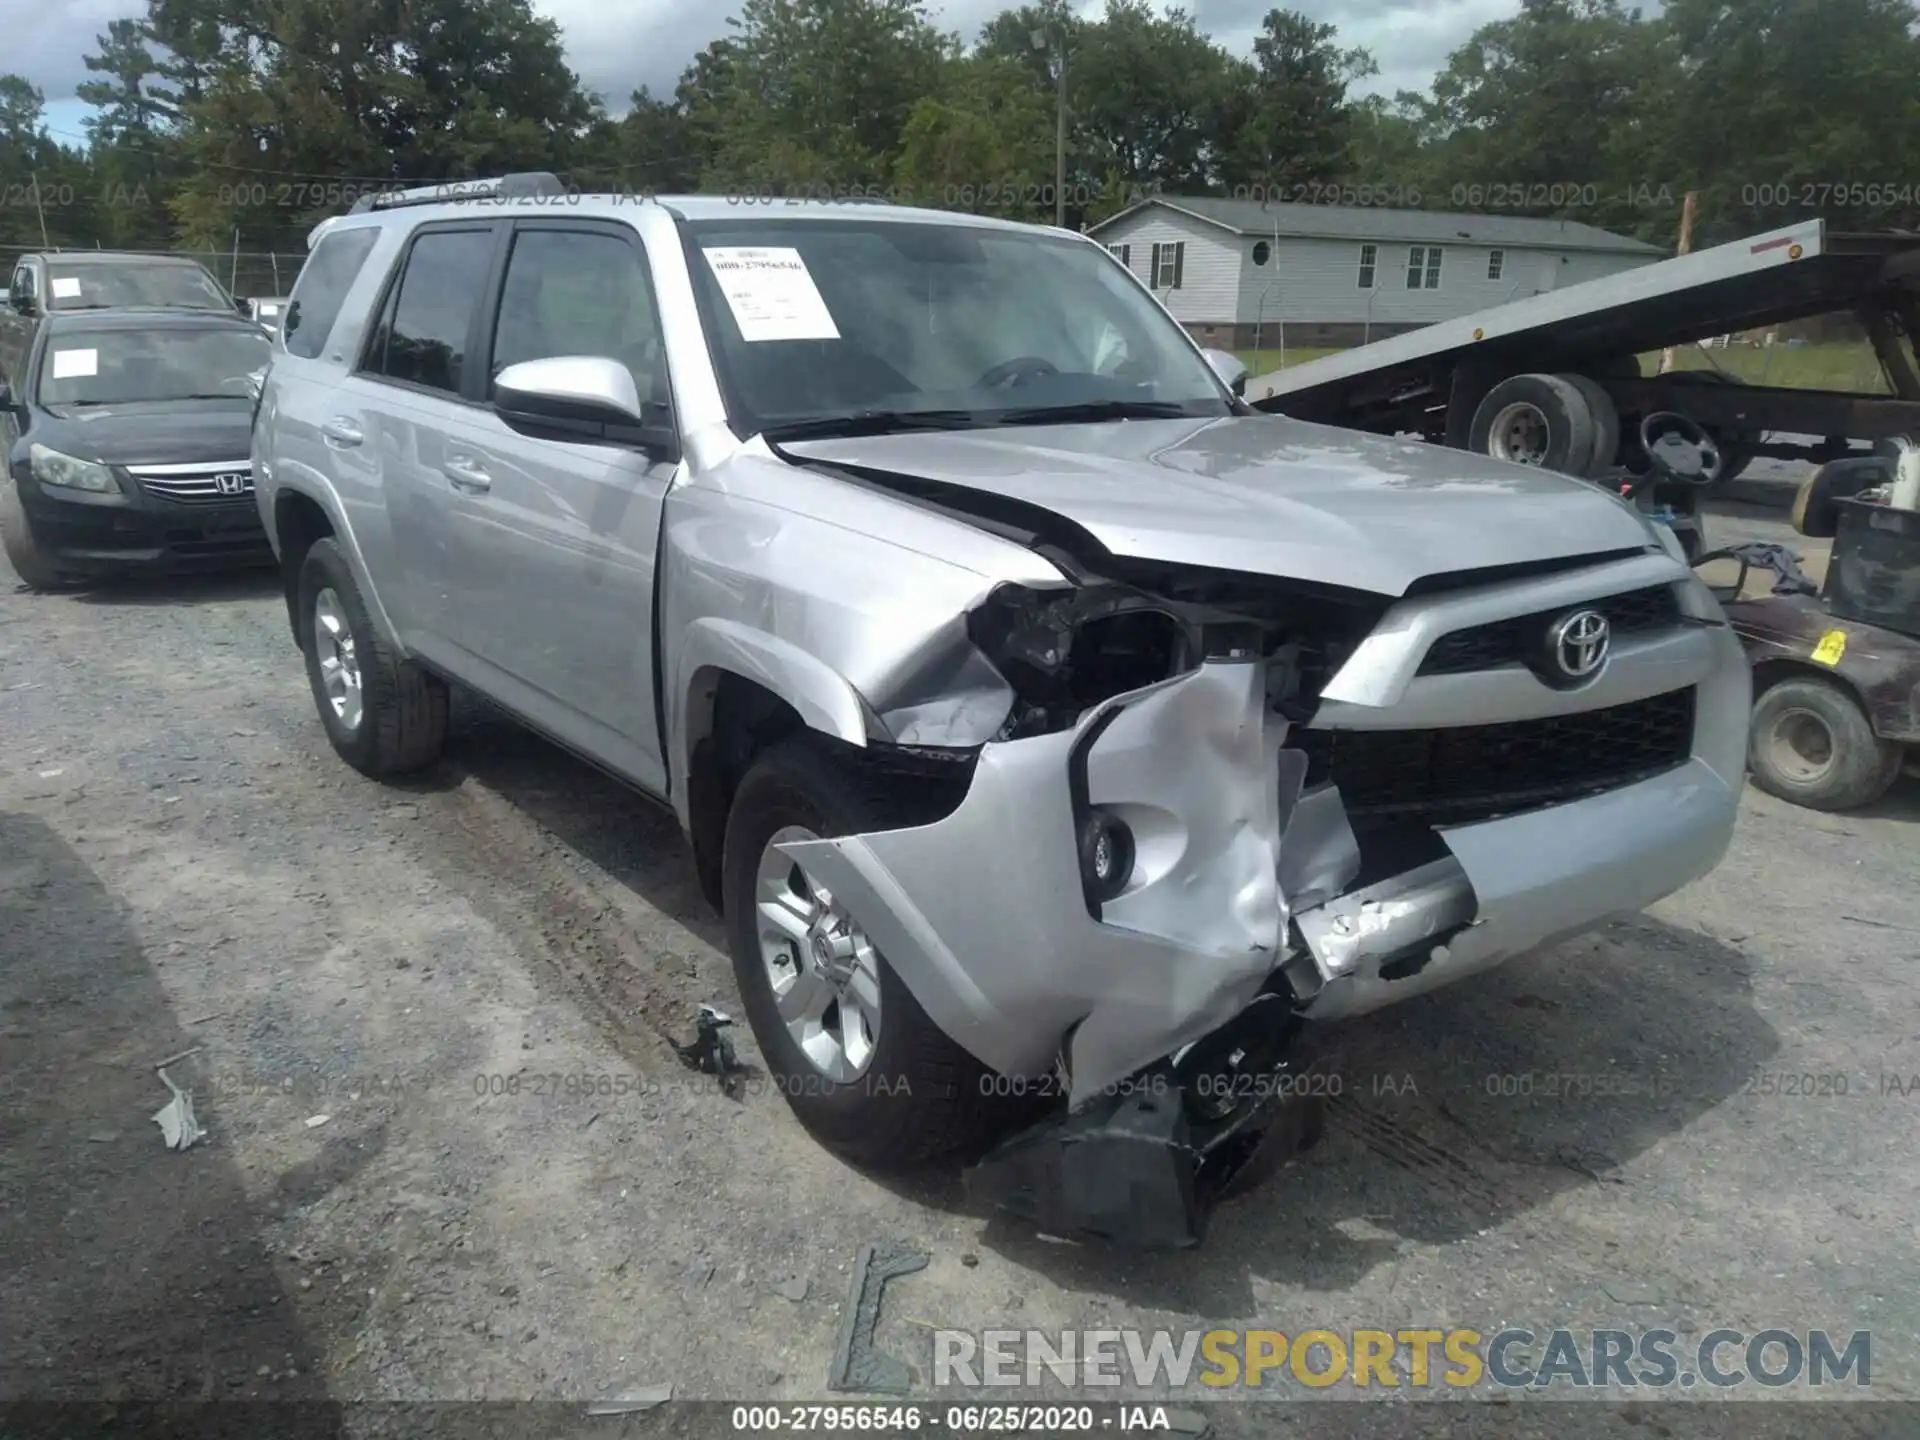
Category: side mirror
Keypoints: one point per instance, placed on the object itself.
(1228, 367)
(587, 398)
(245, 307)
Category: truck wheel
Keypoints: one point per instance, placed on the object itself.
(23, 551)
(1811, 744)
(1539, 420)
(384, 715)
(1606, 423)
(861, 1065)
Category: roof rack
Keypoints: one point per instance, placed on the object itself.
(526, 185)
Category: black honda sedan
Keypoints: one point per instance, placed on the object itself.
(127, 434)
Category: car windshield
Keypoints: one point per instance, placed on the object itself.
(94, 286)
(817, 323)
(107, 367)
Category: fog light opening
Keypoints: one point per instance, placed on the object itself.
(1106, 856)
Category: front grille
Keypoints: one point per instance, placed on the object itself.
(1474, 772)
(195, 484)
(1508, 642)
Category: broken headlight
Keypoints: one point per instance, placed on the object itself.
(1063, 652)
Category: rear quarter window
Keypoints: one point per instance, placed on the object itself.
(322, 289)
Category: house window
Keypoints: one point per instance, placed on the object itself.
(1423, 267)
(1369, 259)
(1496, 263)
(1169, 263)
(1122, 253)
(1262, 252)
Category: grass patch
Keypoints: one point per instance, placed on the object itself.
(1266, 360)
(1835, 365)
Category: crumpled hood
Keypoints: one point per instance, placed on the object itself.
(1267, 495)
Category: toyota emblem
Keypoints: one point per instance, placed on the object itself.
(230, 484)
(1578, 644)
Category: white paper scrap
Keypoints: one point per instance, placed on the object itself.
(66, 287)
(771, 293)
(75, 364)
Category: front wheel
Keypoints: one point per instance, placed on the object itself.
(384, 715)
(23, 550)
(860, 1063)
(1812, 744)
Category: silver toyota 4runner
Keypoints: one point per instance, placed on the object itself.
(1044, 722)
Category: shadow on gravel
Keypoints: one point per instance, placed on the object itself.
(634, 840)
(164, 590)
(132, 1272)
(1460, 1111)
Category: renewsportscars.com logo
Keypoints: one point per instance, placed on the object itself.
(1203, 1362)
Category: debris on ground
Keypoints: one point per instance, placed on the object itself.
(314, 1122)
(632, 1402)
(175, 1119)
(711, 1051)
(794, 1289)
(858, 1363)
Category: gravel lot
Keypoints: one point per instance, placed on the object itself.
(185, 866)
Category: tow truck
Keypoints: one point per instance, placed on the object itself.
(1556, 380)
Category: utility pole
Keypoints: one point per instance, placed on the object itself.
(1686, 245)
(40, 210)
(1056, 41)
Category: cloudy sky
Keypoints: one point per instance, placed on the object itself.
(617, 48)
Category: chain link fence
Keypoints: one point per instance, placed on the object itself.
(246, 273)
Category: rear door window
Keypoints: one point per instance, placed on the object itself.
(322, 289)
(426, 326)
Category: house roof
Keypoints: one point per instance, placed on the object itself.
(1356, 222)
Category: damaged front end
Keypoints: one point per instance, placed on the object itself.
(1212, 808)
(1110, 901)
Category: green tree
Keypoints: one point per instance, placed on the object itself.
(1540, 112)
(984, 144)
(1288, 121)
(816, 93)
(1778, 110)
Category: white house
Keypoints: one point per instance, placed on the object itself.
(1340, 275)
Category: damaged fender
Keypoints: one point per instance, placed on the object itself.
(984, 916)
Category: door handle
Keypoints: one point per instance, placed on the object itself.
(466, 475)
(342, 432)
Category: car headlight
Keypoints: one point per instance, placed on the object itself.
(50, 467)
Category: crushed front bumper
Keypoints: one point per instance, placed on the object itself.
(1238, 874)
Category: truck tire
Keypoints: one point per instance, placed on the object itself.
(877, 1082)
(1812, 745)
(383, 715)
(1538, 420)
(1606, 423)
(23, 551)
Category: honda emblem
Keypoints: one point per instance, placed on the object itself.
(230, 484)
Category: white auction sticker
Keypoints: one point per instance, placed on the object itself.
(66, 287)
(771, 293)
(75, 364)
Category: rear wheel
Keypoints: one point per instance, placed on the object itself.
(1538, 420)
(860, 1063)
(23, 551)
(1811, 744)
(1606, 422)
(384, 715)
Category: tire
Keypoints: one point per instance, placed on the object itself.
(1736, 452)
(1606, 423)
(1556, 415)
(1807, 713)
(402, 719)
(23, 551)
(919, 1096)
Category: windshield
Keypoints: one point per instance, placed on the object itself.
(106, 367)
(88, 287)
(817, 320)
